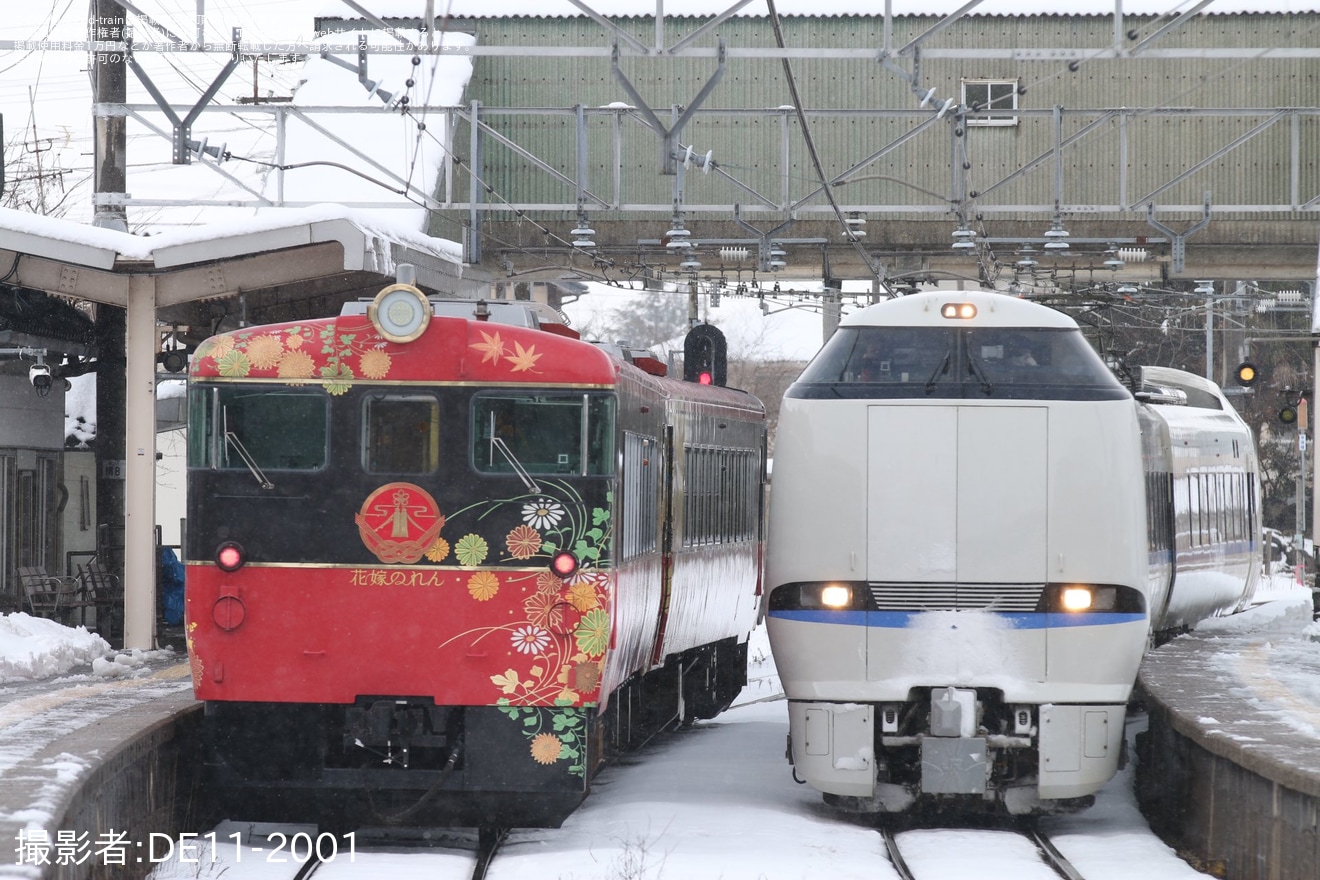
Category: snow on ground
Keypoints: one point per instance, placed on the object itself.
(33, 648)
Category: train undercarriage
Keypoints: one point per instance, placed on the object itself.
(958, 749)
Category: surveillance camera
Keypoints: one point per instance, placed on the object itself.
(39, 376)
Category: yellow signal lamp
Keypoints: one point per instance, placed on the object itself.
(1247, 374)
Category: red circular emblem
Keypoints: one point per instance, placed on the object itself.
(399, 521)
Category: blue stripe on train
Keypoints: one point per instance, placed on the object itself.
(906, 619)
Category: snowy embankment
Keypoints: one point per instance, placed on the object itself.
(33, 648)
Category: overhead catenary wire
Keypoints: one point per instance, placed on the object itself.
(805, 129)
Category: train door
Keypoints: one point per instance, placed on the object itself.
(957, 494)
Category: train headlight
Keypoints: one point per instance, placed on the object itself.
(1089, 598)
(1076, 599)
(1060, 598)
(958, 310)
(400, 313)
(829, 596)
(820, 596)
(836, 596)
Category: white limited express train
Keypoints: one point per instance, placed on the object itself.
(976, 531)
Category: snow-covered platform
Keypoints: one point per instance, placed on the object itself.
(1230, 768)
(91, 752)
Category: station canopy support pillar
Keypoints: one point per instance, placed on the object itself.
(140, 466)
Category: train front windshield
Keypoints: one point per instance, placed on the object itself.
(247, 428)
(940, 362)
(543, 433)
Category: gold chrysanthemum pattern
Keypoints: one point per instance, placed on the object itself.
(546, 748)
(347, 352)
(483, 585)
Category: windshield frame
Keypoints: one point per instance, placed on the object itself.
(958, 362)
(519, 445)
(217, 439)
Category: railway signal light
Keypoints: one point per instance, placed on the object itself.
(1294, 410)
(705, 356)
(1247, 374)
(175, 360)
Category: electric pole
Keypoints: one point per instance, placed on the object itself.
(109, 70)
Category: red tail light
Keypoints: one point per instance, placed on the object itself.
(229, 556)
(564, 564)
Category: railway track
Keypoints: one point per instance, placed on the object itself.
(1049, 854)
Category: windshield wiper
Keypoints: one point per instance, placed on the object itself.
(231, 439)
(974, 367)
(497, 442)
(940, 370)
(515, 464)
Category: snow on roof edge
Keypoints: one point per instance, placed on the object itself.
(101, 248)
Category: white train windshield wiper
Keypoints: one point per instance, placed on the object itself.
(974, 367)
(497, 443)
(941, 370)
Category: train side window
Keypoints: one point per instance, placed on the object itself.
(201, 427)
(720, 495)
(277, 429)
(1252, 528)
(641, 470)
(1221, 508)
(1194, 492)
(696, 487)
(400, 434)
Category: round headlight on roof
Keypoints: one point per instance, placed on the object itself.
(400, 313)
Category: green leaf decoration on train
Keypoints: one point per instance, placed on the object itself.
(560, 742)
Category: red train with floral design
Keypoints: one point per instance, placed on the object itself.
(443, 556)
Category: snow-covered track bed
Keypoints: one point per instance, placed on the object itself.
(936, 853)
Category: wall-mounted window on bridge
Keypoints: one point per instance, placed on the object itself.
(990, 101)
